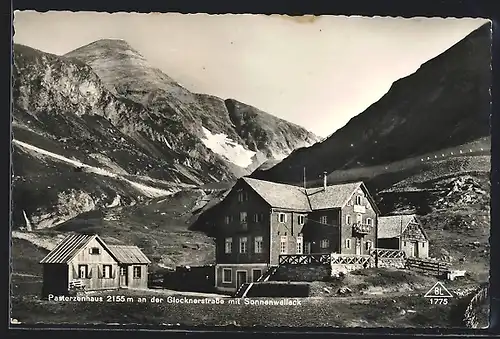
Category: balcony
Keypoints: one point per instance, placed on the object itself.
(362, 228)
(359, 209)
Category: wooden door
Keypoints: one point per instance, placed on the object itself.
(358, 246)
(123, 276)
(241, 278)
(413, 249)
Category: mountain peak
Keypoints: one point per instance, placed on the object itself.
(106, 46)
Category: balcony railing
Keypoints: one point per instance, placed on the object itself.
(305, 259)
(361, 228)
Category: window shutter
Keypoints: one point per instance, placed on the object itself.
(113, 272)
(75, 271)
(100, 271)
(285, 216)
(89, 268)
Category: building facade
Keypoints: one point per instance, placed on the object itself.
(87, 259)
(258, 221)
(405, 233)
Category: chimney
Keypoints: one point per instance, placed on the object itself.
(324, 181)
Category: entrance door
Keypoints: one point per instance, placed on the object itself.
(358, 246)
(256, 273)
(123, 276)
(413, 251)
(241, 278)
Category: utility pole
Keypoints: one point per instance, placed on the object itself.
(305, 182)
(401, 234)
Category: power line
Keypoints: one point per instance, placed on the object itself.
(324, 224)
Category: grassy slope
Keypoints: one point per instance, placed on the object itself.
(27, 272)
(160, 227)
(40, 181)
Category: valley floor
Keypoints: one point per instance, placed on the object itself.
(376, 306)
(368, 311)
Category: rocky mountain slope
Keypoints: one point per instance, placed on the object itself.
(445, 103)
(241, 134)
(76, 123)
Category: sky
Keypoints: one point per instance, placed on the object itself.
(317, 72)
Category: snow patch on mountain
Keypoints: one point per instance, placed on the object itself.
(227, 148)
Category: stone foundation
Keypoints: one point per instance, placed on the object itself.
(302, 273)
(345, 268)
(391, 262)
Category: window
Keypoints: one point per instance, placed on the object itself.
(325, 243)
(227, 275)
(404, 243)
(229, 245)
(243, 217)
(227, 220)
(307, 248)
(83, 271)
(258, 244)
(283, 244)
(323, 220)
(242, 196)
(368, 245)
(123, 271)
(256, 273)
(282, 217)
(243, 245)
(137, 272)
(258, 217)
(94, 250)
(107, 271)
(302, 219)
(358, 200)
(359, 218)
(300, 243)
(348, 243)
(423, 244)
(348, 219)
(369, 221)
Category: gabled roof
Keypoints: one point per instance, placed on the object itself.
(280, 195)
(393, 226)
(335, 196)
(296, 198)
(69, 247)
(129, 254)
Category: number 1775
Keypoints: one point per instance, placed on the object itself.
(439, 301)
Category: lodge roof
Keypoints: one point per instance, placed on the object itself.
(74, 243)
(296, 198)
(67, 248)
(335, 196)
(280, 195)
(129, 254)
(393, 226)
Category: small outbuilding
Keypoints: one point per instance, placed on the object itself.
(405, 233)
(87, 261)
